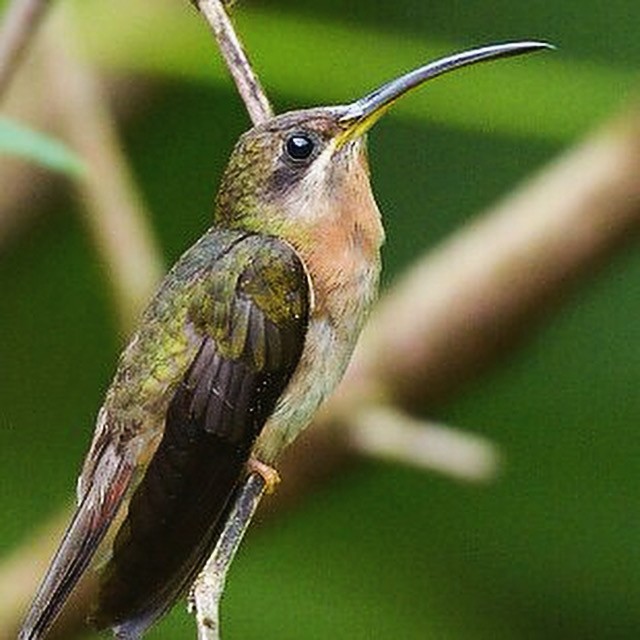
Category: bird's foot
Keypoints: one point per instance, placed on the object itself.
(270, 476)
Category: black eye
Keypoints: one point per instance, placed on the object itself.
(299, 146)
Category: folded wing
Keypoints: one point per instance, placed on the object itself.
(251, 321)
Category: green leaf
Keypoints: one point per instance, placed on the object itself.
(29, 144)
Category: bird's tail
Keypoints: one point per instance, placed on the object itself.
(87, 529)
(174, 520)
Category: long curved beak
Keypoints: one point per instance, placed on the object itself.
(359, 116)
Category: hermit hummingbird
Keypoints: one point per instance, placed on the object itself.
(248, 333)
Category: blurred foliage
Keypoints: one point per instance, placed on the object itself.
(21, 141)
(547, 552)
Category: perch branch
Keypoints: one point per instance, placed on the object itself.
(209, 585)
(20, 22)
(208, 588)
(233, 53)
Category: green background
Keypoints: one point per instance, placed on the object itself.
(548, 551)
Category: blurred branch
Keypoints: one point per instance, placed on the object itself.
(236, 59)
(390, 434)
(115, 214)
(28, 190)
(465, 304)
(20, 22)
(461, 308)
(118, 224)
(22, 571)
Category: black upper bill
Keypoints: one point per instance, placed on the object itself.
(383, 97)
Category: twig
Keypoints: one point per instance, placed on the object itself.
(209, 586)
(20, 22)
(236, 59)
(390, 434)
(115, 214)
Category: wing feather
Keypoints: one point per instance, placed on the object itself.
(249, 299)
(252, 322)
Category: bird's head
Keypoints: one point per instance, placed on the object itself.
(295, 167)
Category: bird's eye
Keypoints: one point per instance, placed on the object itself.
(299, 146)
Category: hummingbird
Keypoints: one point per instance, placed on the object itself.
(246, 336)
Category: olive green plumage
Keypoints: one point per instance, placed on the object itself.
(215, 349)
(198, 294)
(235, 309)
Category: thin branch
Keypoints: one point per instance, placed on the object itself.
(20, 22)
(208, 588)
(247, 82)
(391, 434)
(115, 214)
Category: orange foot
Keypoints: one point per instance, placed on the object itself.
(270, 476)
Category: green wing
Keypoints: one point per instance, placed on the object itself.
(243, 299)
(250, 318)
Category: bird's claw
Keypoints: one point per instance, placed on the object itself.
(270, 476)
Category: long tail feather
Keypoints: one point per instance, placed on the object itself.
(79, 544)
(163, 543)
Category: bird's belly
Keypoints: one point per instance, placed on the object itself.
(323, 362)
(330, 341)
